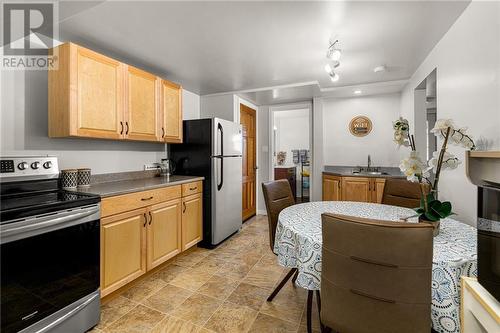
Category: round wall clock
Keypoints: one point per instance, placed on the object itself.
(360, 126)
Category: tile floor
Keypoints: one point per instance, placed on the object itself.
(221, 290)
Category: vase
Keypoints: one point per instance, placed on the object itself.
(435, 224)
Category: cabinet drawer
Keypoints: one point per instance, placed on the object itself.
(192, 188)
(127, 202)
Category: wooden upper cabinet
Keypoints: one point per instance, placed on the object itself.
(171, 112)
(85, 94)
(331, 188)
(356, 189)
(141, 107)
(164, 232)
(91, 95)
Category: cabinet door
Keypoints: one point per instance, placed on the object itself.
(378, 190)
(356, 189)
(171, 112)
(141, 121)
(192, 220)
(123, 249)
(331, 188)
(99, 95)
(164, 232)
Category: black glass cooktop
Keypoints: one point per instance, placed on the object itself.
(35, 198)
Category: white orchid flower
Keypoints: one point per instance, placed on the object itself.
(413, 167)
(450, 161)
(441, 126)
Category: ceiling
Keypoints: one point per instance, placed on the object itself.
(214, 47)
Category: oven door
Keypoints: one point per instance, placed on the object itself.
(47, 263)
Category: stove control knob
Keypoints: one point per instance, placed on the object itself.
(35, 165)
(47, 165)
(22, 166)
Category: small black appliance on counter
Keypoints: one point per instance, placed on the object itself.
(488, 238)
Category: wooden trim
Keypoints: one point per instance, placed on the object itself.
(484, 154)
(466, 284)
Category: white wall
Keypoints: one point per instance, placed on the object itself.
(221, 106)
(292, 132)
(317, 150)
(467, 59)
(340, 147)
(263, 147)
(190, 105)
(23, 130)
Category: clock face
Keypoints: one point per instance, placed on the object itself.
(360, 126)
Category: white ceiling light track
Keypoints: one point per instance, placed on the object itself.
(333, 54)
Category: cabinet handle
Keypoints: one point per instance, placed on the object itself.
(150, 218)
(193, 188)
(183, 207)
(162, 132)
(126, 131)
(145, 220)
(121, 126)
(146, 199)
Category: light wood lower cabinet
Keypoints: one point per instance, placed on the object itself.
(356, 189)
(164, 232)
(136, 241)
(361, 189)
(123, 249)
(331, 188)
(192, 228)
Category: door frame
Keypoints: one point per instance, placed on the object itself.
(289, 107)
(237, 102)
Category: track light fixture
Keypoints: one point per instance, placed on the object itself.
(333, 52)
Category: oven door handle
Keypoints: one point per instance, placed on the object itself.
(46, 223)
(71, 313)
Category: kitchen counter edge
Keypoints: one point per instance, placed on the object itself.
(116, 188)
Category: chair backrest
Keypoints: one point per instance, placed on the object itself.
(375, 275)
(277, 196)
(400, 192)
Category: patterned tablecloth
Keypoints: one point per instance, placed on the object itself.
(298, 244)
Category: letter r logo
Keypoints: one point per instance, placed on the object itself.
(28, 28)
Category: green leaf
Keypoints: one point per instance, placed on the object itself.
(431, 217)
(446, 208)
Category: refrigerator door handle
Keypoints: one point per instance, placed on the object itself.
(219, 185)
(219, 128)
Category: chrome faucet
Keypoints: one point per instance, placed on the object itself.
(369, 161)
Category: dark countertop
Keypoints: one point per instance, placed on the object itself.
(113, 188)
(389, 172)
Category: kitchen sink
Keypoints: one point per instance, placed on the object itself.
(372, 173)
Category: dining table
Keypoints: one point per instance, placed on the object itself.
(298, 244)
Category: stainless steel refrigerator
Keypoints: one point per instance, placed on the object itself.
(212, 148)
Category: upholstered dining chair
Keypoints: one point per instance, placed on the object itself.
(277, 196)
(400, 192)
(376, 275)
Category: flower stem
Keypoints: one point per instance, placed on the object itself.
(440, 160)
(424, 196)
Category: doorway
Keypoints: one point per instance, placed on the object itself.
(248, 123)
(291, 148)
(425, 115)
